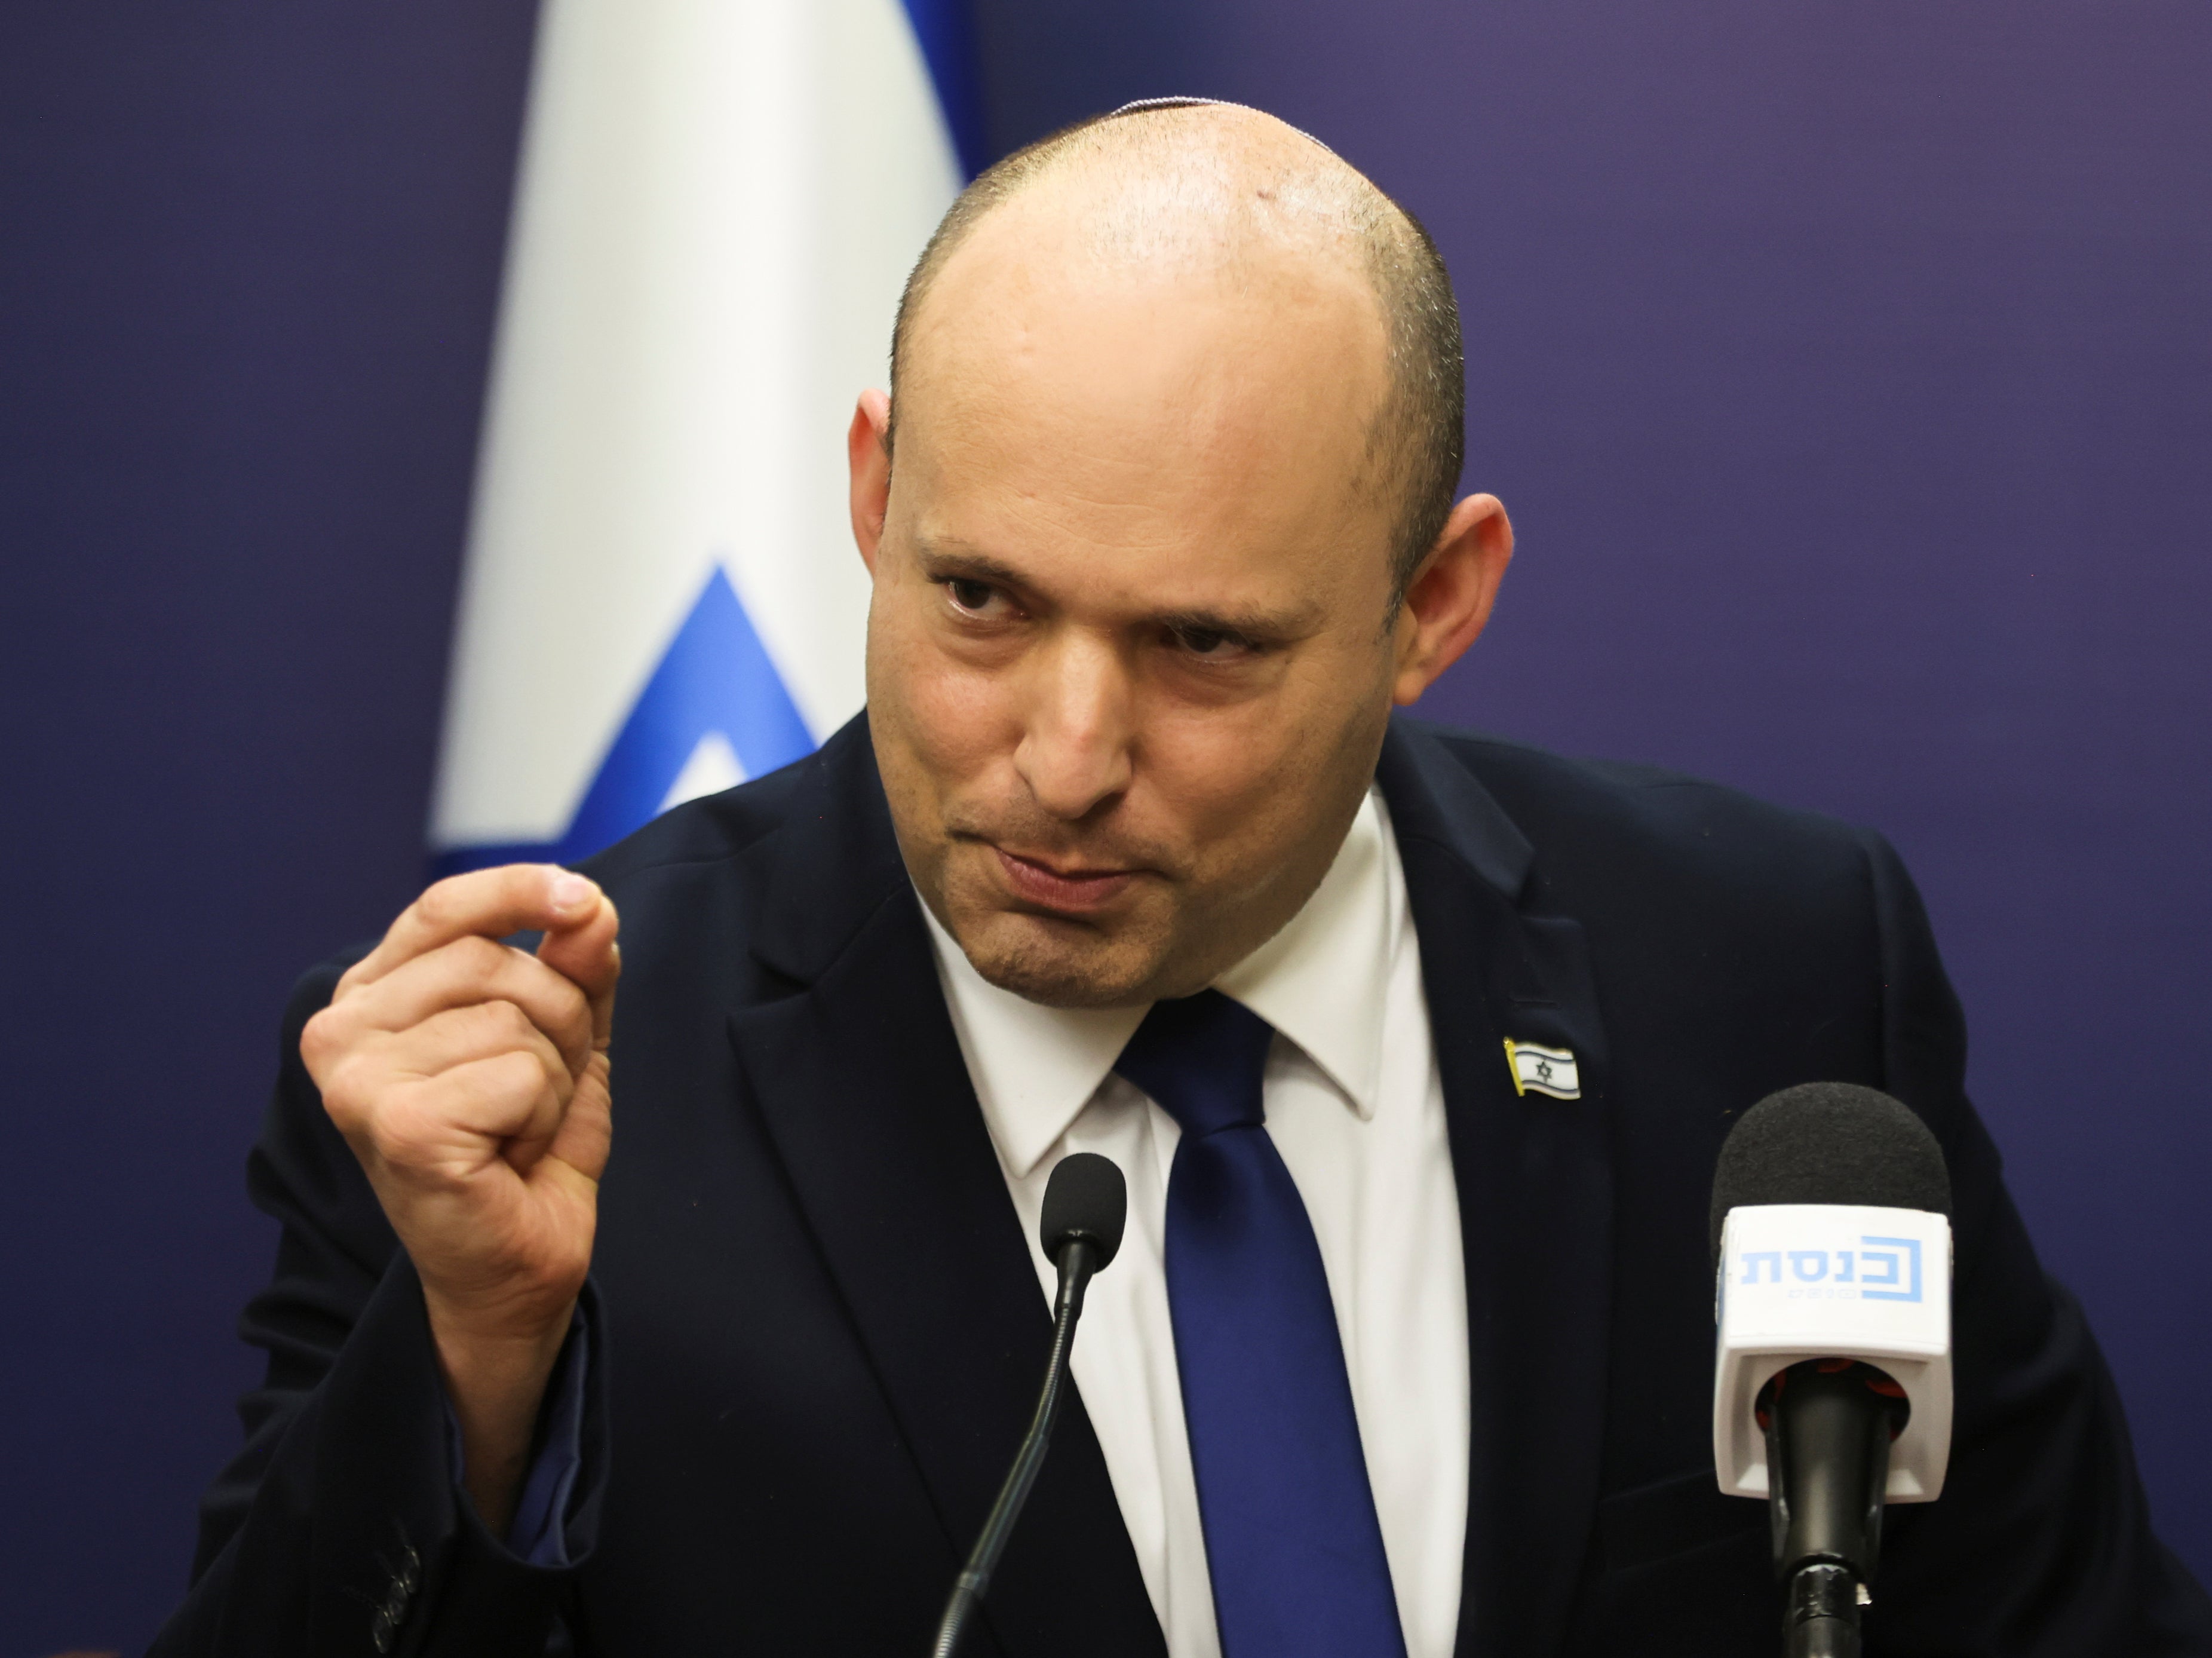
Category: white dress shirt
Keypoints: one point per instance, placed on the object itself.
(1355, 1105)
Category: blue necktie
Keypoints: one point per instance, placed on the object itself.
(1292, 1540)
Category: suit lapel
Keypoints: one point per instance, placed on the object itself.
(1535, 1193)
(860, 1080)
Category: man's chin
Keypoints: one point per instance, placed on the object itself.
(1060, 963)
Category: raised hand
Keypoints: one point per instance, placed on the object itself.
(470, 1079)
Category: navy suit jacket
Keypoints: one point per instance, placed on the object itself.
(817, 1335)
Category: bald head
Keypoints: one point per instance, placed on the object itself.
(1178, 400)
(1220, 195)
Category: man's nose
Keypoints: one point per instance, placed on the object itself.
(1074, 752)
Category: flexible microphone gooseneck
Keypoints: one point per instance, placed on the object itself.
(1086, 1203)
(1804, 1171)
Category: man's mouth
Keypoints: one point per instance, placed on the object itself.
(1070, 891)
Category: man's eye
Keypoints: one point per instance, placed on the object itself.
(1209, 642)
(971, 595)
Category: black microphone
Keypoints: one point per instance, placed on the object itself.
(1086, 1203)
(1831, 1245)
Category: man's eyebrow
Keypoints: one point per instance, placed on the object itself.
(1256, 625)
(944, 560)
(949, 560)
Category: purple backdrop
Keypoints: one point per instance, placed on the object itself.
(1847, 369)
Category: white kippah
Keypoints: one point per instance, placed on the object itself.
(1139, 105)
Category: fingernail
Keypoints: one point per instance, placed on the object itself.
(569, 892)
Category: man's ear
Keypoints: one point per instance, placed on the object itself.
(867, 454)
(1448, 602)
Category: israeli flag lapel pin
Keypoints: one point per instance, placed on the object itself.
(1543, 1070)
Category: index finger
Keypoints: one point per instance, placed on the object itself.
(486, 903)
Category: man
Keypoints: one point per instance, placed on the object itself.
(1128, 853)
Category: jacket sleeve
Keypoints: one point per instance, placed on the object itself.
(338, 1529)
(2041, 1543)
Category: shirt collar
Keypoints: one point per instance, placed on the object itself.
(1034, 1067)
(1320, 981)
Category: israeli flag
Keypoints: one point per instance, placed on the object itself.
(718, 204)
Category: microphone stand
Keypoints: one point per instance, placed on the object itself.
(1077, 1259)
(1828, 1433)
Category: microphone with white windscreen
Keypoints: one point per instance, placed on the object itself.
(1831, 1384)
